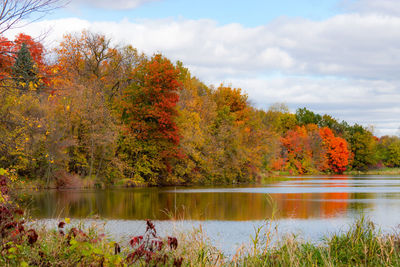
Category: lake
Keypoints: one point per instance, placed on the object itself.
(310, 207)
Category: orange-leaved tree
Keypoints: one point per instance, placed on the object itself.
(235, 100)
(297, 150)
(23, 106)
(150, 137)
(89, 76)
(337, 153)
(308, 149)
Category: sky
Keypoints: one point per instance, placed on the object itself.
(340, 57)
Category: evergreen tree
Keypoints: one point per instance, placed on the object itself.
(24, 70)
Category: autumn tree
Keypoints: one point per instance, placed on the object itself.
(297, 153)
(338, 128)
(91, 59)
(11, 50)
(361, 141)
(196, 113)
(22, 112)
(235, 100)
(337, 153)
(21, 129)
(305, 116)
(6, 61)
(88, 69)
(238, 137)
(150, 137)
(223, 138)
(278, 119)
(363, 147)
(258, 141)
(388, 151)
(393, 159)
(309, 149)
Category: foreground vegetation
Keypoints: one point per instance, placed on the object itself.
(75, 245)
(361, 245)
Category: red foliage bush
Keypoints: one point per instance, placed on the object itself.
(149, 247)
(11, 225)
(67, 180)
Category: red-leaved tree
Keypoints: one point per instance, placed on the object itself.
(307, 149)
(151, 137)
(337, 153)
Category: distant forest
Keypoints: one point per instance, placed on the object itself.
(110, 113)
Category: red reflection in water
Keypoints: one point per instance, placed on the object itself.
(306, 205)
(335, 202)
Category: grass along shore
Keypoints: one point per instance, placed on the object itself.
(380, 171)
(75, 245)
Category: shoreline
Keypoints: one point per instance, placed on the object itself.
(87, 183)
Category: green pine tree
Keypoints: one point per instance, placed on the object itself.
(24, 70)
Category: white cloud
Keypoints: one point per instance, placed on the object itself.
(356, 101)
(352, 45)
(115, 4)
(276, 57)
(346, 65)
(389, 7)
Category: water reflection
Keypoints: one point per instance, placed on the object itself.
(297, 198)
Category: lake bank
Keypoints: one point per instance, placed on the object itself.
(68, 244)
(380, 171)
(78, 182)
(92, 183)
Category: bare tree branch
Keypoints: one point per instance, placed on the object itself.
(14, 11)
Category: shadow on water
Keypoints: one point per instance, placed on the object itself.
(296, 198)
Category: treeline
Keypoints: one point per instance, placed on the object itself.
(115, 115)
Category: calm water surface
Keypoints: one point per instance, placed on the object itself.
(310, 207)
